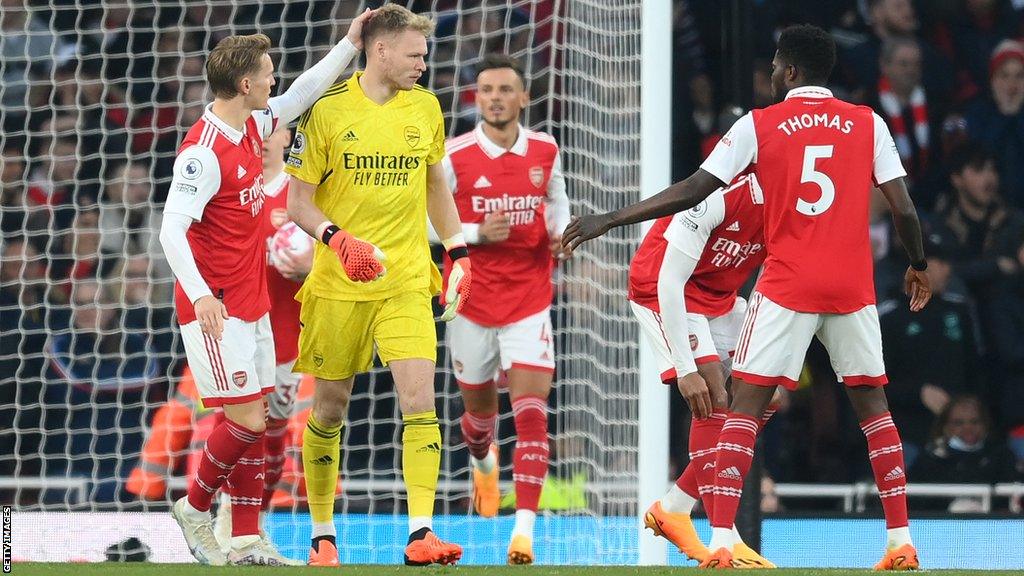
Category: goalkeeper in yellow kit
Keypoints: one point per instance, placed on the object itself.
(365, 166)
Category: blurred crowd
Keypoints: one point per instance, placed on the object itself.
(95, 97)
(947, 76)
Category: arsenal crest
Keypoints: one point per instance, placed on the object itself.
(278, 217)
(693, 343)
(240, 378)
(537, 176)
(412, 136)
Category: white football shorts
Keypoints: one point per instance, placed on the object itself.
(281, 402)
(711, 339)
(774, 341)
(479, 352)
(236, 369)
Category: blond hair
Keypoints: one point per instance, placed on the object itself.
(234, 58)
(392, 18)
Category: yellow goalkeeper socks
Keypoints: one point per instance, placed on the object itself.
(321, 453)
(421, 461)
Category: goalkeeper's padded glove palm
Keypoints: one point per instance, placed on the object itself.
(457, 294)
(360, 259)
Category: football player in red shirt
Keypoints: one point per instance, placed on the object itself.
(683, 289)
(816, 158)
(508, 186)
(285, 274)
(216, 249)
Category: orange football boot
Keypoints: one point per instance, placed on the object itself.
(718, 560)
(746, 558)
(431, 550)
(325, 554)
(677, 529)
(902, 558)
(486, 496)
(520, 551)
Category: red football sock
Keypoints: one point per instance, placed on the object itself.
(530, 459)
(226, 444)
(246, 482)
(703, 447)
(735, 453)
(478, 432)
(277, 432)
(768, 413)
(886, 454)
(687, 481)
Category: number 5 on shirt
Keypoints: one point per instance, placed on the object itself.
(810, 174)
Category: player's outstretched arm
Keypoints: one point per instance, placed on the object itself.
(676, 269)
(444, 217)
(312, 83)
(676, 198)
(908, 227)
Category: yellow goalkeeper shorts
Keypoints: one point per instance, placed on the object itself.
(338, 336)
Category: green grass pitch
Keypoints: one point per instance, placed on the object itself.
(364, 570)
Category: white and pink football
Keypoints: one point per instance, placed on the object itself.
(291, 238)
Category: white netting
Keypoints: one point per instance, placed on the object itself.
(95, 98)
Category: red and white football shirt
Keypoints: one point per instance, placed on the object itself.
(218, 182)
(511, 279)
(816, 158)
(723, 234)
(284, 309)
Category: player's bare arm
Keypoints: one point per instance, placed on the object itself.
(904, 217)
(301, 208)
(444, 217)
(441, 210)
(362, 261)
(676, 198)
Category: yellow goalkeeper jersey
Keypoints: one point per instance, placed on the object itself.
(369, 164)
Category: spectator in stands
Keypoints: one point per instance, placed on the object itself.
(51, 182)
(22, 337)
(969, 35)
(997, 119)
(890, 20)
(28, 50)
(904, 103)
(931, 355)
(97, 353)
(79, 256)
(18, 216)
(98, 374)
(147, 297)
(1006, 312)
(962, 451)
(129, 222)
(984, 229)
(193, 100)
(122, 37)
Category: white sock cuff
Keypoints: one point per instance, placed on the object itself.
(324, 529)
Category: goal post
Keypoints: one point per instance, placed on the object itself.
(655, 175)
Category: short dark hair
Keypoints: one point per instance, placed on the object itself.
(970, 154)
(810, 49)
(496, 61)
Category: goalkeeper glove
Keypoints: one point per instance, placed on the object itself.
(459, 280)
(360, 259)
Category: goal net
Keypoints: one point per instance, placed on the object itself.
(96, 97)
